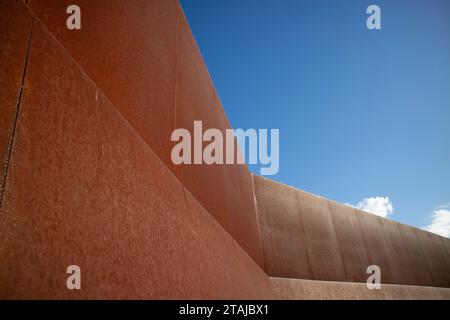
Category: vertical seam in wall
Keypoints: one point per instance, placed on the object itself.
(177, 54)
(300, 218)
(359, 221)
(408, 254)
(255, 203)
(390, 261)
(337, 242)
(414, 264)
(436, 278)
(434, 284)
(19, 100)
(357, 227)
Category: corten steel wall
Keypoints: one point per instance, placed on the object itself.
(298, 289)
(309, 237)
(14, 36)
(142, 55)
(85, 149)
(84, 188)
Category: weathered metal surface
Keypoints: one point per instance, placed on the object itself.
(297, 289)
(142, 55)
(15, 29)
(282, 231)
(86, 147)
(299, 241)
(84, 189)
(401, 260)
(377, 246)
(297, 233)
(419, 264)
(351, 243)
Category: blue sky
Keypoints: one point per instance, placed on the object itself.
(361, 113)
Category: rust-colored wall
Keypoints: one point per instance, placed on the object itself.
(84, 188)
(282, 232)
(297, 234)
(15, 28)
(419, 264)
(142, 55)
(396, 247)
(309, 237)
(296, 289)
(85, 148)
(377, 247)
(351, 242)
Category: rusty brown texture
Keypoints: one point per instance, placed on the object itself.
(376, 245)
(396, 248)
(224, 190)
(130, 51)
(351, 243)
(435, 257)
(15, 31)
(299, 241)
(297, 289)
(440, 248)
(297, 233)
(282, 233)
(85, 129)
(320, 238)
(85, 189)
(419, 264)
(147, 63)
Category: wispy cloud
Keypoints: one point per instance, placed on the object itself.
(380, 206)
(440, 223)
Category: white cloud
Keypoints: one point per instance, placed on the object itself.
(380, 206)
(383, 207)
(441, 221)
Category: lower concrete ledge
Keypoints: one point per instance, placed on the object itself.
(298, 289)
